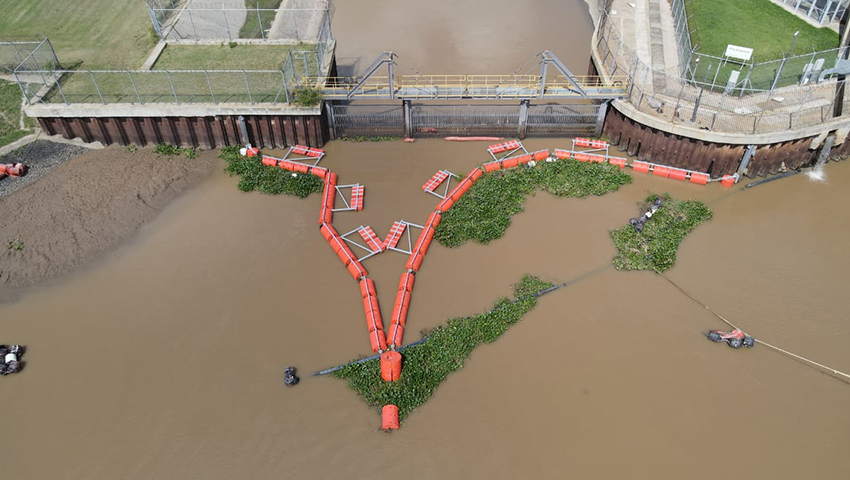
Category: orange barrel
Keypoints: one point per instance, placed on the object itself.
(582, 142)
(416, 263)
(344, 254)
(269, 161)
(406, 282)
(445, 204)
(429, 235)
(355, 268)
(434, 219)
(390, 366)
(582, 157)
(475, 174)
(331, 178)
(620, 162)
(727, 180)
(285, 164)
(677, 174)
(400, 307)
(328, 232)
(319, 171)
(562, 154)
(389, 417)
(336, 244)
(597, 158)
(699, 178)
(373, 315)
(492, 166)
(541, 155)
(524, 159)
(510, 163)
(395, 335)
(367, 287)
(300, 167)
(251, 152)
(378, 340)
(641, 167)
(660, 171)
(411, 259)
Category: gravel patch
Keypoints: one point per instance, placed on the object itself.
(40, 157)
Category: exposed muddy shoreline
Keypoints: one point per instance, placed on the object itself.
(84, 206)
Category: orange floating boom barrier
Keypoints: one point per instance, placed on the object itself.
(390, 366)
(389, 417)
(474, 139)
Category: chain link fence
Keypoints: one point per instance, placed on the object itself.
(739, 77)
(677, 99)
(177, 21)
(25, 55)
(822, 12)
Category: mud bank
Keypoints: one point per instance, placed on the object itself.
(86, 205)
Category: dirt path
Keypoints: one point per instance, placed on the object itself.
(86, 205)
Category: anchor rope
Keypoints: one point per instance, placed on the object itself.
(768, 345)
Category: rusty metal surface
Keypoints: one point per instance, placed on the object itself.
(716, 159)
(265, 131)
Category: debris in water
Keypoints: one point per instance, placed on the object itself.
(289, 377)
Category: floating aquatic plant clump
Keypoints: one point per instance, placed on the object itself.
(426, 365)
(654, 248)
(271, 180)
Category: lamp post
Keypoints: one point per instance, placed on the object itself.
(781, 65)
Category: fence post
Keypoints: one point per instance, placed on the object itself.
(248, 87)
(295, 24)
(522, 127)
(306, 67)
(209, 84)
(59, 87)
(406, 119)
(138, 97)
(226, 24)
(155, 21)
(192, 20)
(173, 90)
(15, 46)
(96, 88)
(282, 88)
(260, 21)
(331, 121)
(21, 86)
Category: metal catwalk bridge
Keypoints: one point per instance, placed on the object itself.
(481, 87)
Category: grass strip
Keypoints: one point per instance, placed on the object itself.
(655, 247)
(484, 212)
(426, 365)
(10, 114)
(270, 180)
(254, 29)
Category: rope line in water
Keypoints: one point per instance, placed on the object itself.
(774, 347)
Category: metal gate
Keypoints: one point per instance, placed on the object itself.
(442, 120)
(366, 120)
(562, 120)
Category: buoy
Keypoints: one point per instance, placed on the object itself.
(641, 167)
(699, 178)
(396, 335)
(510, 163)
(727, 180)
(389, 417)
(390, 366)
(492, 166)
(409, 140)
(406, 282)
(677, 174)
(620, 162)
(541, 155)
(660, 171)
(473, 139)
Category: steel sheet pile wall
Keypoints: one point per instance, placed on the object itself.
(716, 159)
(264, 131)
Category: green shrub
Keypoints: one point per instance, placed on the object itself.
(264, 179)
(15, 244)
(172, 150)
(655, 247)
(484, 212)
(307, 96)
(426, 365)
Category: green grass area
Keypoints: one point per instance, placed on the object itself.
(426, 365)
(761, 25)
(252, 28)
(655, 247)
(484, 212)
(10, 114)
(154, 86)
(91, 33)
(270, 180)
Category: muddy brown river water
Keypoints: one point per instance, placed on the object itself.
(164, 358)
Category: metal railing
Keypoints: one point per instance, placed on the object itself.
(670, 97)
(822, 12)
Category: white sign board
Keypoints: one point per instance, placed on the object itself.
(741, 53)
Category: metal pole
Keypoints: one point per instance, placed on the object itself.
(96, 88)
(23, 90)
(17, 52)
(260, 22)
(248, 87)
(522, 126)
(779, 73)
(173, 90)
(282, 86)
(544, 66)
(59, 87)
(138, 97)
(747, 79)
(295, 24)
(392, 80)
(209, 84)
(227, 25)
(192, 20)
(306, 68)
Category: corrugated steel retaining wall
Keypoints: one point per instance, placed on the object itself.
(264, 131)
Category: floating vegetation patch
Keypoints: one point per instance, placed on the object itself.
(271, 180)
(484, 212)
(428, 364)
(654, 247)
